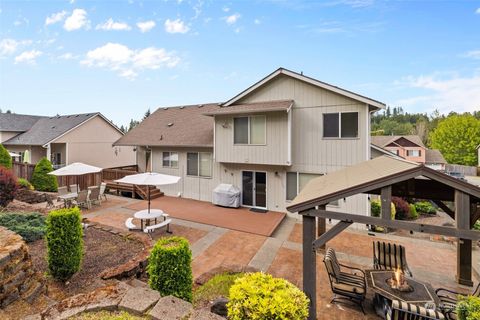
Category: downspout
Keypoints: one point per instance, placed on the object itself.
(214, 138)
(289, 134)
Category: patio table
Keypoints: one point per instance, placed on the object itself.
(146, 215)
(68, 197)
(377, 281)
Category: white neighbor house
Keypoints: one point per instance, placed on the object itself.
(269, 140)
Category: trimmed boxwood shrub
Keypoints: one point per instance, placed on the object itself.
(64, 242)
(413, 211)
(8, 186)
(169, 268)
(259, 296)
(376, 209)
(5, 159)
(425, 207)
(468, 308)
(24, 184)
(402, 208)
(31, 226)
(41, 180)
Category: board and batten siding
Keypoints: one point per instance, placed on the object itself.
(274, 152)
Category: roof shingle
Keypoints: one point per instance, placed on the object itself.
(17, 122)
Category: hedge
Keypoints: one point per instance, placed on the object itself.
(5, 159)
(259, 296)
(41, 180)
(425, 207)
(31, 226)
(64, 242)
(468, 308)
(169, 268)
(8, 186)
(413, 211)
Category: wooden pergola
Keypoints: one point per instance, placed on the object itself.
(387, 177)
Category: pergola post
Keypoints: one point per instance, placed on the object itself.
(309, 263)
(321, 226)
(464, 246)
(385, 202)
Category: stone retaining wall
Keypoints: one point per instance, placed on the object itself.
(17, 278)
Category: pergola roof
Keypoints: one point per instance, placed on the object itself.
(408, 179)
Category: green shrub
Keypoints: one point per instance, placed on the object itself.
(476, 225)
(41, 180)
(216, 287)
(259, 296)
(25, 184)
(5, 159)
(425, 207)
(468, 308)
(376, 208)
(413, 211)
(31, 226)
(64, 242)
(8, 186)
(169, 268)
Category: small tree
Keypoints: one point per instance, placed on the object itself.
(64, 242)
(169, 268)
(41, 180)
(8, 186)
(5, 159)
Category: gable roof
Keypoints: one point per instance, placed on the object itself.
(47, 129)
(17, 122)
(383, 141)
(434, 156)
(368, 176)
(315, 82)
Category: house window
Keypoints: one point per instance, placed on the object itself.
(249, 130)
(199, 164)
(414, 153)
(340, 125)
(170, 159)
(297, 181)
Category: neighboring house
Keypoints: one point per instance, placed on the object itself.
(435, 160)
(66, 139)
(269, 141)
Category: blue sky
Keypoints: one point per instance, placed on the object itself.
(123, 57)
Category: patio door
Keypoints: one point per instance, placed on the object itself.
(254, 189)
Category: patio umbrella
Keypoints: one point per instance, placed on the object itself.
(76, 169)
(13, 155)
(27, 156)
(149, 179)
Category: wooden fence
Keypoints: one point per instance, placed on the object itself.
(23, 170)
(465, 170)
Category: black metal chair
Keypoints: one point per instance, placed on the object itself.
(390, 256)
(449, 299)
(345, 285)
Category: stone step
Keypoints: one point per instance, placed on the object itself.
(35, 290)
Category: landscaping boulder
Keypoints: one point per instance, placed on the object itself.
(138, 300)
(219, 307)
(171, 308)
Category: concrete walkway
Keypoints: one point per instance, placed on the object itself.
(281, 254)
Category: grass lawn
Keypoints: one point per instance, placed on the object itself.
(216, 287)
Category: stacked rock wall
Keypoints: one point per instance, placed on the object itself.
(17, 278)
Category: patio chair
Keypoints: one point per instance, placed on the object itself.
(94, 195)
(449, 299)
(345, 285)
(390, 256)
(82, 199)
(103, 187)
(74, 188)
(62, 190)
(404, 310)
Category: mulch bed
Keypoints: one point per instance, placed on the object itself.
(103, 250)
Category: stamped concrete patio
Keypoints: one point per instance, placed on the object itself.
(281, 255)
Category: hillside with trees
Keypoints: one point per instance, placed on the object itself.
(455, 135)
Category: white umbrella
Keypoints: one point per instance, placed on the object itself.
(27, 157)
(13, 154)
(76, 169)
(149, 179)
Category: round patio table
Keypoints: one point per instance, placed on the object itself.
(145, 215)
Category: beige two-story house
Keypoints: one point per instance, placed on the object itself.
(269, 141)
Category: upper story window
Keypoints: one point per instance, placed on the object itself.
(249, 130)
(414, 153)
(170, 159)
(199, 164)
(340, 125)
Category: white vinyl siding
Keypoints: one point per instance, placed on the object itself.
(249, 130)
(170, 159)
(199, 164)
(340, 125)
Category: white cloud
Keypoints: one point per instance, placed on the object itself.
(232, 19)
(445, 93)
(146, 26)
(67, 56)
(474, 54)
(226, 9)
(77, 20)
(112, 25)
(55, 17)
(28, 57)
(128, 62)
(477, 11)
(257, 21)
(10, 46)
(176, 26)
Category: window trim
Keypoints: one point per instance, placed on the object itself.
(249, 131)
(414, 150)
(337, 205)
(198, 165)
(170, 161)
(340, 126)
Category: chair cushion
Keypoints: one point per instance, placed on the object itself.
(348, 288)
(404, 310)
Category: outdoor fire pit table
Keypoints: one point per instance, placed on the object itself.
(377, 281)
